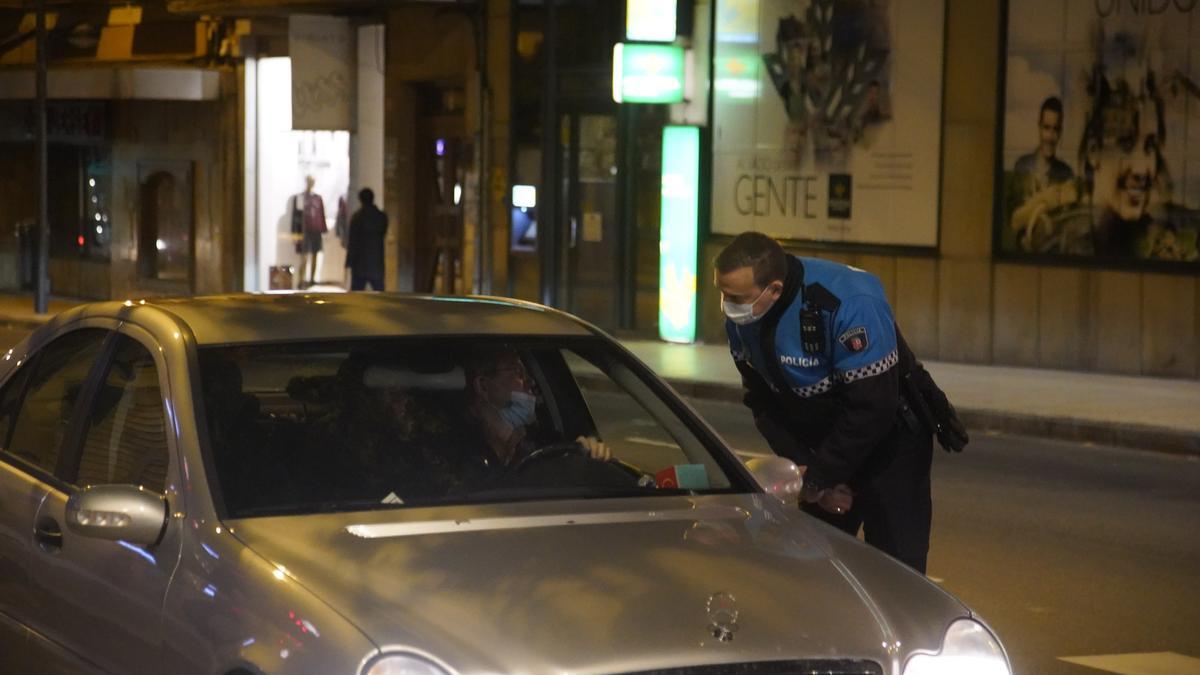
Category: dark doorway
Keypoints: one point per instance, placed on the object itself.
(443, 157)
(165, 222)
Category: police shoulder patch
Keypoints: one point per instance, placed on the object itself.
(855, 339)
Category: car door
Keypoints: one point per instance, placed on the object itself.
(18, 500)
(104, 598)
(37, 409)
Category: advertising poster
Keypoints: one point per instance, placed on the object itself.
(323, 63)
(827, 119)
(1101, 132)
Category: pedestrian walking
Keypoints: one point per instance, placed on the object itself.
(825, 373)
(364, 248)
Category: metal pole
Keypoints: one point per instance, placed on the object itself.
(42, 299)
(548, 232)
(483, 249)
(484, 230)
(626, 258)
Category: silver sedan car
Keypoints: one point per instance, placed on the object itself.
(366, 484)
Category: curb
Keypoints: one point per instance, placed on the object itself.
(1121, 434)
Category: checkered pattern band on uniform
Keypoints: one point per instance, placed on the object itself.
(879, 367)
(814, 389)
(871, 369)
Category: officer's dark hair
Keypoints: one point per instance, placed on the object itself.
(1053, 104)
(757, 251)
(366, 196)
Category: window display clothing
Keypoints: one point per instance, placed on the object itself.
(308, 220)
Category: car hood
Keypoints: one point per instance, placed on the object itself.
(613, 585)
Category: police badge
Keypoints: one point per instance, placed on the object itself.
(855, 339)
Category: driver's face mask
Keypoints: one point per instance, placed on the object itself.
(742, 313)
(521, 411)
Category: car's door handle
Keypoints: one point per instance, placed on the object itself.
(48, 535)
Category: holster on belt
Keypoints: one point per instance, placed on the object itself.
(922, 398)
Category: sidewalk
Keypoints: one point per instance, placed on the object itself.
(1139, 412)
(16, 310)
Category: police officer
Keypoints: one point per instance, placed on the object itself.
(818, 351)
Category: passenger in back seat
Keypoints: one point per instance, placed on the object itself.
(380, 440)
(237, 441)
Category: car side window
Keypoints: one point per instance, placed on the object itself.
(634, 422)
(10, 401)
(44, 417)
(126, 434)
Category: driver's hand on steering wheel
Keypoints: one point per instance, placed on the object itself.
(596, 448)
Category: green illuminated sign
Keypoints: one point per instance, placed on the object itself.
(650, 20)
(679, 233)
(647, 73)
(736, 73)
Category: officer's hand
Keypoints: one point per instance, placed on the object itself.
(838, 500)
(596, 448)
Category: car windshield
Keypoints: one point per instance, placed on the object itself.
(392, 423)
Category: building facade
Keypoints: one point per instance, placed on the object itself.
(961, 301)
(143, 154)
(489, 132)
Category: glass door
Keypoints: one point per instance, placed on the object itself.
(590, 211)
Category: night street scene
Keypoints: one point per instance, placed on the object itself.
(600, 337)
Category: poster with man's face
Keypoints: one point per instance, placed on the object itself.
(827, 119)
(1101, 137)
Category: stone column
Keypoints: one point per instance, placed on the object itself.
(498, 179)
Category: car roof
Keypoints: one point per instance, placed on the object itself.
(277, 317)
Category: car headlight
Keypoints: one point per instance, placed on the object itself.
(968, 647)
(403, 663)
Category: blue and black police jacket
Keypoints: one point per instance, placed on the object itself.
(829, 408)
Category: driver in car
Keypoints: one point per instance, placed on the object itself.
(501, 415)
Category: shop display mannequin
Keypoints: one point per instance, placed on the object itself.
(308, 227)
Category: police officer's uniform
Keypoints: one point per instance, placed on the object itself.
(821, 374)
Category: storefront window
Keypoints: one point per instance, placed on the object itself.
(95, 231)
(288, 158)
(79, 211)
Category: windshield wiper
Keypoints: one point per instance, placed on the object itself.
(518, 494)
(484, 496)
(321, 507)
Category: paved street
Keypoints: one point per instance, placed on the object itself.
(1067, 550)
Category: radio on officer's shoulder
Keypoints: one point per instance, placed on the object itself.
(816, 298)
(812, 331)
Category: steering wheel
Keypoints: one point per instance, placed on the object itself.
(550, 451)
(569, 448)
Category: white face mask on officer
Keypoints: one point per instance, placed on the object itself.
(742, 313)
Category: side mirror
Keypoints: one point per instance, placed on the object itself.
(118, 512)
(778, 476)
